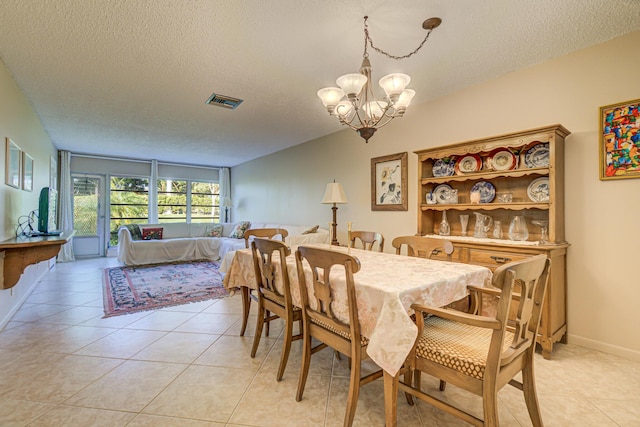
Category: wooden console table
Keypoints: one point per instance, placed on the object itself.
(20, 252)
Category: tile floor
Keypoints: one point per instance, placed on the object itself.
(62, 364)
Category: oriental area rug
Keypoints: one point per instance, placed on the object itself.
(147, 287)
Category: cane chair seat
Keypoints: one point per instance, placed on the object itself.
(364, 341)
(457, 346)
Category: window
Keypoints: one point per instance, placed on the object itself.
(188, 201)
(129, 203)
(205, 202)
(172, 200)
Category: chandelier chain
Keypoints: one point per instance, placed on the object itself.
(368, 38)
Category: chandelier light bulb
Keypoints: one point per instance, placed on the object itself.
(352, 84)
(330, 96)
(405, 99)
(394, 84)
(375, 110)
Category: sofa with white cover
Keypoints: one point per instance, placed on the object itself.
(186, 242)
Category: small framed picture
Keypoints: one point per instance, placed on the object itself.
(620, 140)
(13, 164)
(389, 183)
(27, 172)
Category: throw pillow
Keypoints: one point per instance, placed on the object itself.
(239, 229)
(152, 233)
(312, 230)
(214, 230)
(134, 229)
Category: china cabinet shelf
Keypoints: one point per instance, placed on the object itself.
(487, 206)
(537, 154)
(485, 175)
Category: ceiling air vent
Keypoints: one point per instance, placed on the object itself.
(223, 101)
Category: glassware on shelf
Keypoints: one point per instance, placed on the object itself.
(451, 197)
(445, 228)
(483, 225)
(544, 230)
(497, 230)
(518, 228)
(505, 197)
(464, 221)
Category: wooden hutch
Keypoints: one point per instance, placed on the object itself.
(535, 180)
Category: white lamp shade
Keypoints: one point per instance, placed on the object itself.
(375, 109)
(352, 84)
(330, 96)
(227, 203)
(394, 84)
(334, 193)
(405, 98)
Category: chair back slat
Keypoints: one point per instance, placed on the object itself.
(325, 265)
(268, 272)
(523, 284)
(422, 247)
(367, 240)
(268, 233)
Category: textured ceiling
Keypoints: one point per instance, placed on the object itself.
(130, 78)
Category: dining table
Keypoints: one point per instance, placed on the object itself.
(386, 287)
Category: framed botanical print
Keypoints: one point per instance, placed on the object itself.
(389, 183)
(620, 140)
(27, 172)
(13, 164)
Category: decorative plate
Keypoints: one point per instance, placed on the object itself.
(443, 167)
(502, 160)
(440, 192)
(538, 190)
(537, 156)
(468, 163)
(486, 189)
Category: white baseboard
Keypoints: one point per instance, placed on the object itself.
(604, 347)
(31, 280)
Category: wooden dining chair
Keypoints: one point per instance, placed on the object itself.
(320, 322)
(368, 240)
(423, 247)
(482, 354)
(245, 292)
(274, 303)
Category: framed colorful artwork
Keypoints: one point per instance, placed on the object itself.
(620, 140)
(13, 172)
(389, 183)
(27, 172)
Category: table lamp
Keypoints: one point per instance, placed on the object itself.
(334, 194)
(226, 204)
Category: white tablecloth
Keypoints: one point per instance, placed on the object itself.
(386, 287)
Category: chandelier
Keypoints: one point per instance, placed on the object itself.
(354, 103)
